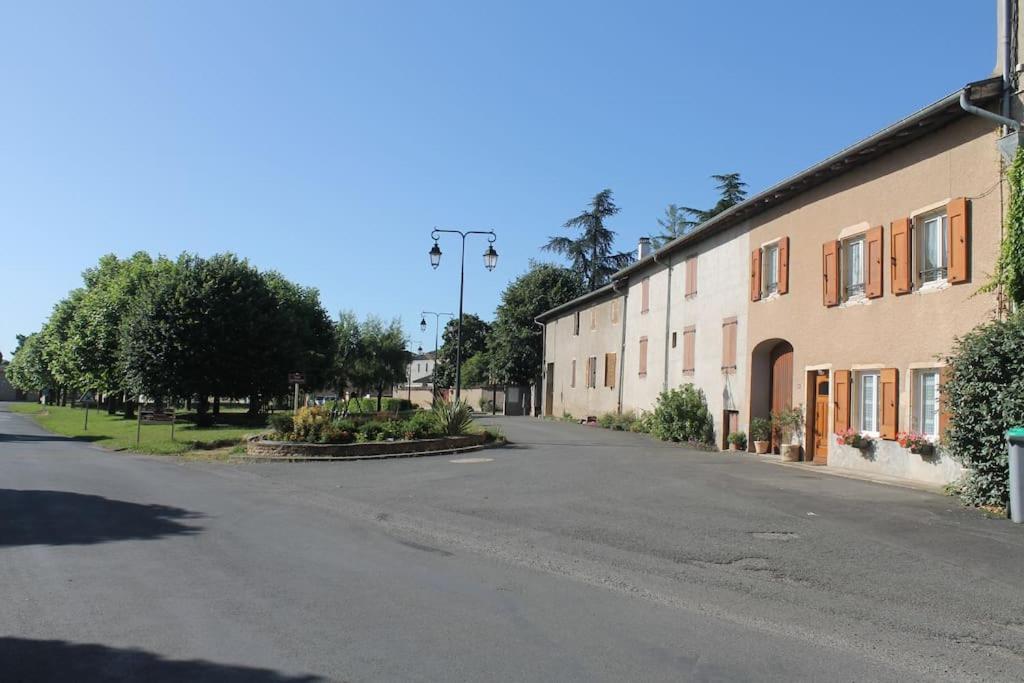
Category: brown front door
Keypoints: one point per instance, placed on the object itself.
(549, 394)
(782, 382)
(821, 398)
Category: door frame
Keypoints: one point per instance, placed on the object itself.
(811, 393)
(549, 391)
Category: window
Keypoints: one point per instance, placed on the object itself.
(853, 267)
(615, 311)
(592, 372)
(593, 318)
(926, 402)
(643, 356)
(729, 326)
(933, 252)
(867, 402)
(673, 340)
(689, 347)
(691, 276)
(572, 376)
(610, 366)
(576, 324)
(645, 295)
(770, 269)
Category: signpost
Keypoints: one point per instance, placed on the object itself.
(296, 378)
(154, 416)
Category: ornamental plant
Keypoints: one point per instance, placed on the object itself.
(737, 439)
(761, 429)
(915, 442)
(852, 437)
(682, 415)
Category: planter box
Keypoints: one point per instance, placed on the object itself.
(262, 448)
(761, 447)
(790, 452)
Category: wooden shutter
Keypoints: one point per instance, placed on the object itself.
(572, 377)
(691, 276)
(830, 273)
(890, 397)
(592, 372)
(576, 323)
(615, 311)
(689, 348)
(729, 345)
(643, 356)
(956, 238)
(609, 370)
(874, 288)
(645, 295)
(783, 286)
(841, 399)
(899, 255)
(755, 274)
(943, 406)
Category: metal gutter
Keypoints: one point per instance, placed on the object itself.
(965, 104)
(622, 343)
(668, 318)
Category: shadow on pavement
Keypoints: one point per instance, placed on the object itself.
(25, 660)
(67, 518)
(44, 437)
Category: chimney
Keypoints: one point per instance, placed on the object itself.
(644, 248)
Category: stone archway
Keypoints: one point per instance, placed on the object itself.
(771, 379)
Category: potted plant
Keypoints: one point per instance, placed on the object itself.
(788, 422)
(761, 433)
(916, 443)
(852, 437)
(737, 441)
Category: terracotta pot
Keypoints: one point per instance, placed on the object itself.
(761, 447)
(732, 447)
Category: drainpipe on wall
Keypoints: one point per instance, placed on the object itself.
(622, 344)
(668, 318)
(543, 367)
(965, 104)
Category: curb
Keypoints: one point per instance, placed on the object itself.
(342, 458)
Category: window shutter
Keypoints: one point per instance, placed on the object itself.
(943, 406)
(729, 326)
(956, 238)
(609, 370)
(755, 274)
(689, 347)
(830, 273)
(572, 377)
(643, 356)
(783, 265)
(645, 295)
(841, 399)
(874, 286)
(691, 276)
(592, 372)
(899, 255)
(890, 403)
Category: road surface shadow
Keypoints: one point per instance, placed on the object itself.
(31, 438)
(67, 518)
(25, 660)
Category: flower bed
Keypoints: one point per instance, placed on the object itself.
(296, 450)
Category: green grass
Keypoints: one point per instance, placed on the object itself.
(115, 432)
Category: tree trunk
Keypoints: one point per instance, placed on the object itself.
(254, 404)
(216, 405)
(129, 407)
(380, 396)
(111, 404)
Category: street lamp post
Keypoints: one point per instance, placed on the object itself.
(423, 328)
(490, 261)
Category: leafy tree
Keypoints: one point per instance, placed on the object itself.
(382, 356)
(347, 347)
(474, 341)
(516, 341)
(592, 252)
(682, 415)
(476, 371)
(677, 222)
(1009, 274)
(27, 369)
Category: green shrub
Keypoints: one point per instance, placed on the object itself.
(617, 422)
(422, 425)
(761, 429)
(983, 393)
(682, 415)
(372, 430)
(281, 423)
(644, 424)
(387, 405)
(737, 439)
(454, 418)
(308, 424)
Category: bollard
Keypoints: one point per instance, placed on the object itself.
(1015, 440)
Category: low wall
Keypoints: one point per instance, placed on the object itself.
(261, 448)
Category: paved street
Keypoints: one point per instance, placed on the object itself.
(576, 554)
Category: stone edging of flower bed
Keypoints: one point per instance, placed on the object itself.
(262, 449)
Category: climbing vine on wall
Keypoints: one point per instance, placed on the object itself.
(1010, 267)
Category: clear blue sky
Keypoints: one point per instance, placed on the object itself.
(324, 139)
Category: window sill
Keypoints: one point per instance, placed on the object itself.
(933, 286)
(770, 297)
(688, 373)
(691, 295)
(859, 300)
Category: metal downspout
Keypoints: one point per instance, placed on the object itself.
(668, 319)
(622, 344)
(965, 104)
(543, 367)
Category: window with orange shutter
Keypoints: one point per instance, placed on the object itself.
(691, 276)
(689, 349)
(643, 357)
(645, 295)
(729, 328)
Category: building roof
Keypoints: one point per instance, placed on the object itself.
(920, 123)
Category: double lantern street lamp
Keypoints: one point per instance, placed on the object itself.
(423, 328)
(490, 261)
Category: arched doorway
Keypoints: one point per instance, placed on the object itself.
(771, 380)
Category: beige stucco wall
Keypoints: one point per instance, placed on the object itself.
(891, 331)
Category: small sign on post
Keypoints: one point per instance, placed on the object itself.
(155, 416)
(296, 378)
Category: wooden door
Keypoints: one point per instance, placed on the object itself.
(549, 393)
(821, 402)
(781, 382)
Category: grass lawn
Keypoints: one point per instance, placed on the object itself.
(115, 432)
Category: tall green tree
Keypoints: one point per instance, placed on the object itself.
(27, 369)
(347, 347)
(592, 251)
(676, 222)
(382, 356)
(516, 341)
(474, 341)
(731, 190)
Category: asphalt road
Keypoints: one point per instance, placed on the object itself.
(575, 555)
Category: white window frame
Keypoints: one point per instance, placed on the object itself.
(853, 291)
(918, 407)
(939, 274)
(769, 265)
(859, 396)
